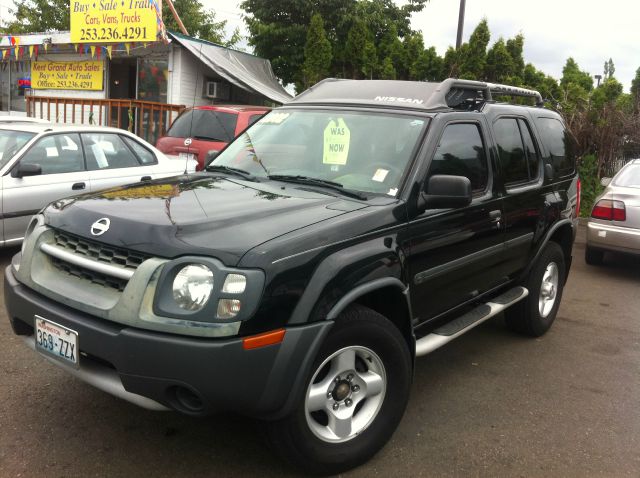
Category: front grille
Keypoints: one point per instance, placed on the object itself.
(99, 252)
(86, 274)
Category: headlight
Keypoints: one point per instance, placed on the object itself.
(192, 287)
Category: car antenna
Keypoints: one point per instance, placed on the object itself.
(193, 105)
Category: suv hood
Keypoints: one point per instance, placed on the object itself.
(199, 214)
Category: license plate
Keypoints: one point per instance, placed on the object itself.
(56, 341)
(187, 156)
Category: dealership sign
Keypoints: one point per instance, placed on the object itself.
(111, 21)
(67, 75)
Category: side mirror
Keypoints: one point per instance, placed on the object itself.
(26, 169)
(445, 192)
(605, 181)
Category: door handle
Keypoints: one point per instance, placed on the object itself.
(145, 178)
(496, 217)
(78, 186)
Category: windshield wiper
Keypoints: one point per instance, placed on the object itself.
(317, 182)
(228, 169)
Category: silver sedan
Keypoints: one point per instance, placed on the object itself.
(40, 163)
(614, 224)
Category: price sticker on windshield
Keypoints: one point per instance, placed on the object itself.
(336, 142)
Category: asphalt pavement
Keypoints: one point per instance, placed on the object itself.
(490, 404)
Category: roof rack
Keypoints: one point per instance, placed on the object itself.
(454, 93)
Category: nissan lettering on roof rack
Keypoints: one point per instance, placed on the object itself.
(299, 277)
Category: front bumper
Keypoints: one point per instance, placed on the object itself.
(158, 370)
(613, 238)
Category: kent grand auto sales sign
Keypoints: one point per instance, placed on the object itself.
(113, 21)
(67, 75)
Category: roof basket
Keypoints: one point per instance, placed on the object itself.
(466, 94)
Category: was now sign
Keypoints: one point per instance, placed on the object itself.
(336, 142)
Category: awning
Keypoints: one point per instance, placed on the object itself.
(244, 70)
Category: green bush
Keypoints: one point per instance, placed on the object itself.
(591, 187)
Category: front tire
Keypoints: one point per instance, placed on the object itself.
(354, 396)
(534, 315)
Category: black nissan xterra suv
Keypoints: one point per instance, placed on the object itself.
(296, 279)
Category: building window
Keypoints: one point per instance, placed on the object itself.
(15, 81)
(152, 80)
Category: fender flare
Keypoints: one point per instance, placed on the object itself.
(365, 288)
(543, 243)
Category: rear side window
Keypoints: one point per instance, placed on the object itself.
(144, 155)
(107, 151)
(254, 118)
(518, 158)
(557, 141)
(204, 124)
(461, 152)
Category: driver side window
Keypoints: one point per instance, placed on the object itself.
(55, 154)
(461, 152)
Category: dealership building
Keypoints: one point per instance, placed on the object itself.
(136, 86)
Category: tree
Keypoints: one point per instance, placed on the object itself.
(515, 47)
(388, 71)
(317, 52)
(39, 16)
(499, 63)
(474, 53)
(369, 60)
(278, 30)
(199, 22)
(391, 47)
(354, 49)
(451, 63)
(429, 66)
(609, 69)
(571, 73)
(413, 45)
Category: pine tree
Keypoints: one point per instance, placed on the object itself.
(474, 53)
(499, 64)
(369, 60)
(354, 49)
(515, 47)
(317, 52)
(388, 71)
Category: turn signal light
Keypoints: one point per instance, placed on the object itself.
(262, 340)
(609, 210)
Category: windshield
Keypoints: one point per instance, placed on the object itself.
(366, 152)
(11, 142)
(629, 177)
(207, 125)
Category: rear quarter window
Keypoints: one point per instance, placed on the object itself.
(558, 143)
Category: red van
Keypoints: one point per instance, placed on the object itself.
(204, 129)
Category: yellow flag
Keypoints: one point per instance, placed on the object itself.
(75, 45)
(4, 53)
(15, 50)
(30, 51)
(17, 43)
(127, 46)
(93, 51)
(109, 47)
(46, 47)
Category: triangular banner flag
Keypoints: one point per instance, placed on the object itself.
(46, 47)
(30, 51)
(93, 50)
(126, 46)
(35, 49)
(98, 52)
(109, 47)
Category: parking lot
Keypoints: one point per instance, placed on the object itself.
(489, 404)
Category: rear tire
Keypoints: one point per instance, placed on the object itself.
(534, 315)
(353, 399)
(593, 257)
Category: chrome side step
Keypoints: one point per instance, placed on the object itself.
(468, 321)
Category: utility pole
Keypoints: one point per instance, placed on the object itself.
(460, 24)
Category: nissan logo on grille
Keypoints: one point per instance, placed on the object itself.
(101, 226)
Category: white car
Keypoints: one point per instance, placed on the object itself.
(21, 119)
(40, 163)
